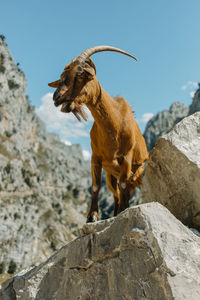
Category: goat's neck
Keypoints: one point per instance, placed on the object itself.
(101, 107)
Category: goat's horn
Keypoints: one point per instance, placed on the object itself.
(87, 53)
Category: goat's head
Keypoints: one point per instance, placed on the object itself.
(73, 89)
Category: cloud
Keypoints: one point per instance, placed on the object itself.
(65, 124)
(189, 85)
(66, 142)
(86, 154)
(146, 117)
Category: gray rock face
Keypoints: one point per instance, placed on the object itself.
(173, 173)
(43, 199)
(163, 122)
(144, 253)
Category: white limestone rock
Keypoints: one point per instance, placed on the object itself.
(173, 173)
(143, 253)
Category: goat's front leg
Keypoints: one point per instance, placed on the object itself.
(125, 173)
(96, 167)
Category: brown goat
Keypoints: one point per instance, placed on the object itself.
(117, 143)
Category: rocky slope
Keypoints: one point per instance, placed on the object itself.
(143, 253)
(43, 199)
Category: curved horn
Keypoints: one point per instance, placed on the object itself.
(87, 53)
(90, 62)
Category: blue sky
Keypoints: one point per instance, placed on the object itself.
(44, 36)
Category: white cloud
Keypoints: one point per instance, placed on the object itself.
(189, 85)
(64, 123)
(86, 154)
(66, 142)
(146, 117)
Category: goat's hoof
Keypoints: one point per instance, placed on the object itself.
(92, 218)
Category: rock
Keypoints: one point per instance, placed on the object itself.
(163, 122)
(143, 253)
(173, 173)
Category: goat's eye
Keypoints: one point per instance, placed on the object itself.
(80, 68)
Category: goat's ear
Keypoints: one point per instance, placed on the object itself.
(90, 72)
(54, 84)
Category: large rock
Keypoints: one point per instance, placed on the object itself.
(144, 253)
(173, 173)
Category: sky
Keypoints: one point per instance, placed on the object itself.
(44, 36)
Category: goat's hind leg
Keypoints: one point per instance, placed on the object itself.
(113, 187)
(96, 184)
(125, 174)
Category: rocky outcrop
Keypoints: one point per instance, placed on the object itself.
(43, 199)
(163, 122)
(173, 173)
(144, 253)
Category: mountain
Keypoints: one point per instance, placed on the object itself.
(43, 199)
(164, 121)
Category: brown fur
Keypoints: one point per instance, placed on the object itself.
(117, 143)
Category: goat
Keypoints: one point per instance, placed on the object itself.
(116, 140)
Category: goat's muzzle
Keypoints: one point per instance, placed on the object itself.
(66, 107)
(58, 100)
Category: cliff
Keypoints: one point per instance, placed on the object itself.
(43, 199)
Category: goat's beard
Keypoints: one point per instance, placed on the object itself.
(80, 112)
(76, 108)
